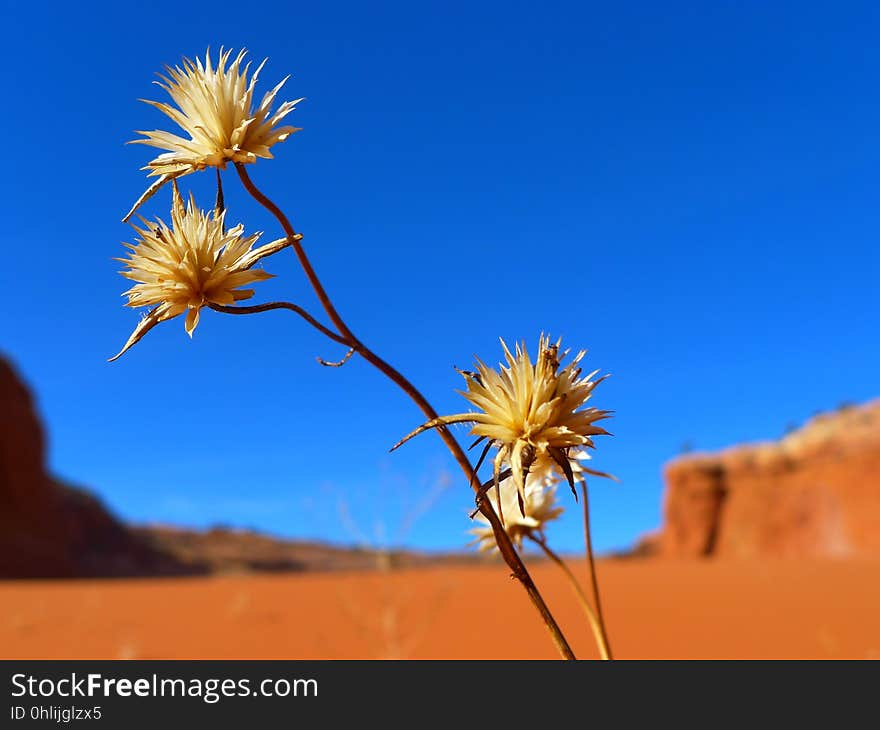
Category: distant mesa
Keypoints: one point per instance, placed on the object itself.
(49, 529)
(815, 493)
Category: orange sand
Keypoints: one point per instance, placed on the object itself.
(655, 609)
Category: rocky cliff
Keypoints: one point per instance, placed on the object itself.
(32, 525)
(49, 529)
(816, 492)
(53, 530)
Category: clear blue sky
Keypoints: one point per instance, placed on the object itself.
(688, 190)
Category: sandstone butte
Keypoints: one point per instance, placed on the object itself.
(814, 493)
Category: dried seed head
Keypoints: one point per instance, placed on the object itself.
(530, 411)
(215, 108)
(539, 507)
(192, 263)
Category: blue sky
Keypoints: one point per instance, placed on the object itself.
(688, 190)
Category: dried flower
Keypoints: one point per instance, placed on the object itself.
(215, 108)
(538, 508)
(189, 265)
(529, 411)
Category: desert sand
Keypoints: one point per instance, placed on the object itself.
(655, 609)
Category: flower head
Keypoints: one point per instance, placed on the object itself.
(530, 412)
(538, 507)
(192, 263)
(215, 108)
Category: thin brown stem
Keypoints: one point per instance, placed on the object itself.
(256, 308)
(604, 651)
(505, 546)
(588, 546)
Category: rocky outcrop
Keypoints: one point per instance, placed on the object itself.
(49, 529)
(815, 492)
(100, 545)
(32, 525)
(53, 530)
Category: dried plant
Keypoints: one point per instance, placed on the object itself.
(196, 262)
(215, 108)
(394, 621)
(529, 412)
(527, 519)
(537, 509)
(534, 414)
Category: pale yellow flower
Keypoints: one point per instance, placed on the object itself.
(194, 262)
(530, 411)
(538, 508)
(215, 108)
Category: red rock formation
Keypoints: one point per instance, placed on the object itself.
(32, 529)
(816, 492)
(52, 530)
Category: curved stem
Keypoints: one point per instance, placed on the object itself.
(598, 633)
(588, 546)
(256, 308)
(502, 539)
